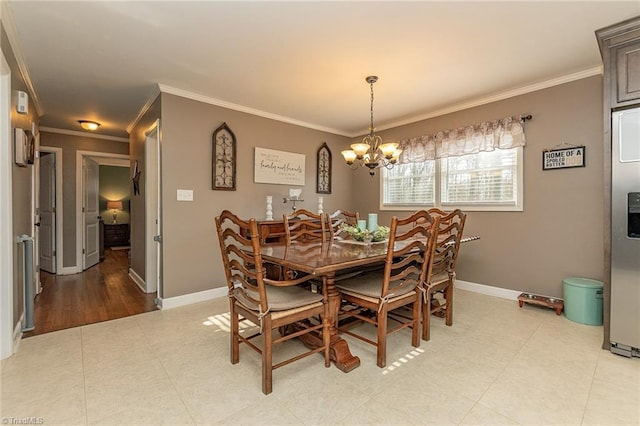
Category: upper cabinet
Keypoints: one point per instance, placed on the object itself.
(628, 66)
(620, 49)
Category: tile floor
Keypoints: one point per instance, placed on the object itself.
(498, 364)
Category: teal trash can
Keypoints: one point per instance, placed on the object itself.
(583, 300)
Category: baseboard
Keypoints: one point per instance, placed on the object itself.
(201, 296)
(503, 293)
(17, 334)
(188, 299)
(138, 280)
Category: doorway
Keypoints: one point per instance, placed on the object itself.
(105, 290)
(87, 204)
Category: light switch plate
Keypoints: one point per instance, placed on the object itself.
(185, 195)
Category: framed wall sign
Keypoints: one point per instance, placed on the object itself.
(224, 159)
(563, 158)
(284, 168)
(323, 170)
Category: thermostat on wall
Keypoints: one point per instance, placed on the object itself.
(22, 103)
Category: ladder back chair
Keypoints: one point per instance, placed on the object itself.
(269, 304)
(337, 218)
(304, 226)
(370, 297)
(442, 273)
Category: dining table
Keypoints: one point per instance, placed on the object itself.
(327, 260)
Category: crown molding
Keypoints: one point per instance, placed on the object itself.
(494, 98)
(12, 34)
(155, 92)
(224, 104)
(82, 134)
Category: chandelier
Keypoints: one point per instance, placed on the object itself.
(371, 152)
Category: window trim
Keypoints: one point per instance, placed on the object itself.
(497, 207)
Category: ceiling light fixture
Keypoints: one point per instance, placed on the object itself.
(89, 125)
(371, 152)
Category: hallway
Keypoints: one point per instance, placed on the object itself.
(101, 293)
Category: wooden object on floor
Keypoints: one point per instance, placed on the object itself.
(116, 234)
(337, 218)
(326, 260)
(101, 293)
(398, 285)
(305, 226)
(546, 301)
(442, 268)
(269, 304)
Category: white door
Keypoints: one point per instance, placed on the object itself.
(47, 232)
(152, 207)
(90, 183)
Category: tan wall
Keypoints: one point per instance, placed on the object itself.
(560, 231)
(21, 178)
(70, 144)
(190, 247)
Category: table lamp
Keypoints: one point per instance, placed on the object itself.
(115, 206)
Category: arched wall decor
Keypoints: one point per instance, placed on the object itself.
(323, 170)
(224, 159)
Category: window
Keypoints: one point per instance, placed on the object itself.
(489, 180)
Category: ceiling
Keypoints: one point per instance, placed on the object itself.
(301, 62)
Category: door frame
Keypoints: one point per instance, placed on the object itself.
(6, 214)
(80, 196)
(57, 152)
(153, 249)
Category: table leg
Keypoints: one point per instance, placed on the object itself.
(340, 353)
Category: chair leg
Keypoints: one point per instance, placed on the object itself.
(415, 331)
(267, 361)
(235, 330)
(448, 295)
(382, 337)
(326, 337)
(426, 318)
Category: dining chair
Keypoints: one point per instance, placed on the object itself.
(370, 297)
(442, 273)
(269, 304)
(337, 218)
(305, 226)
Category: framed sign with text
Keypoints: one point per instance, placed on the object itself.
(279, 167)
(563, 158)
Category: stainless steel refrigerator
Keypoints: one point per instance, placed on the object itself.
(625, 232)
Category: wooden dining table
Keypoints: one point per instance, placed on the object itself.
(328, 260)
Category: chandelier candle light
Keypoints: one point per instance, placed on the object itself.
(371, 152)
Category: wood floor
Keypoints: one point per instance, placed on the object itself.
(102, 292)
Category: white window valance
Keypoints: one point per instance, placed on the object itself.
(498, 134)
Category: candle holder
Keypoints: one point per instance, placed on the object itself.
(269, 215)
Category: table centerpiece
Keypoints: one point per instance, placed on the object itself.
(381, 233)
